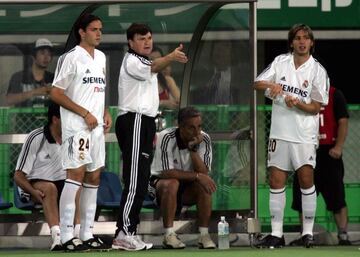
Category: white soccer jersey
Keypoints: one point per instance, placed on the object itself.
(138, 86)
(307, 82)
(168, 155)
(40, 156)
(84, 80)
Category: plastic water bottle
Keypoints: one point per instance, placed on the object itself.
(223, 234)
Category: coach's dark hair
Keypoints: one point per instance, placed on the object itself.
(83, 22)
(137, 28)
(294, 30)
(187, 113)
(53, 110)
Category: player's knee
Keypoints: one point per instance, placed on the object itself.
(168, 186)
(49, 188)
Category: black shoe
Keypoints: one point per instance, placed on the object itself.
(344, 242)
(56, 247)
(75, 245)
(96, 244)
(343, 239)
(308, 240)
(296, 242)
(271, 241)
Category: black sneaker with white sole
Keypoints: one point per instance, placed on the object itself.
(56, 247)
(308, 240)
(75, 245)
(271, 241)
(296, 242)
(96, 244)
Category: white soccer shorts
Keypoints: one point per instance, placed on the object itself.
(289, 156)
(85, 148)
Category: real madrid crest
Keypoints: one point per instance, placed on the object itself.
(305, 84)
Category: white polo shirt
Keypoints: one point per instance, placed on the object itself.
(84, 80)
(307, 82)
(138, 86)
(172, 153)
(40, 156)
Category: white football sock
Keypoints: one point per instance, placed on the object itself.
(77, 230)
(67, 209)
(277, 205)
(88, 197)
(55, 233)
(169, 231)
(308, 198)
(203, 230)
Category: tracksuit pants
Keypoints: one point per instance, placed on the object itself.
(135, 134)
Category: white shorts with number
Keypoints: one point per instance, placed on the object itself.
(290, 156)
(85, 148)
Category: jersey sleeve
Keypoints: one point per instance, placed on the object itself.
(163, 157)
(64, 73)
(268, 74)
(29, 151)
(205, 151)
(321, 86)
(138, 68)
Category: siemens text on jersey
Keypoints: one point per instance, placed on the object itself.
(97, 80)
(295, 90)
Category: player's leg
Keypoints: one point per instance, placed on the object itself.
(88, 195)
(167, 194)
(279, 163)
(308, 199)
(333, 191)
(195, 194)
(77, 215)
(76, 156)
(277, 199)
(135, 133)
(304, 159)
(51, 210)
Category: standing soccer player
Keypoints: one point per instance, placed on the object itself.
(79, 88)
(135, 128)
(298, 86)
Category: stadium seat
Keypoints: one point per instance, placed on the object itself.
(23, 204)
(4, 205)
(109, 192)
(149, 203)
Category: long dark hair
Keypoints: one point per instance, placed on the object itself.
(83, 22)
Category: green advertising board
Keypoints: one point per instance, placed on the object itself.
(182, 17)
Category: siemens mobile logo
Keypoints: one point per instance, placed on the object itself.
(99, 89)
(294, 90)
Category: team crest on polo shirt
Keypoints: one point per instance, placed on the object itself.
(305, 84)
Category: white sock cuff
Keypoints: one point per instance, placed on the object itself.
(55, 228)
(169, 230)
(72, 182)
(308, 191)
(277, 191)
(203, 230)
(89, 186)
